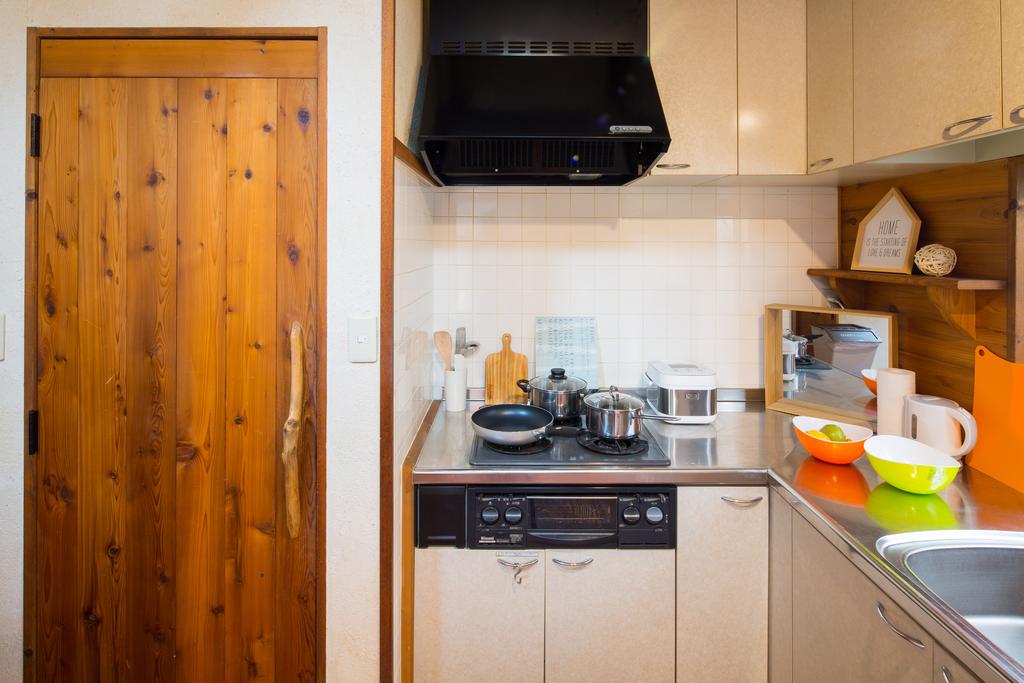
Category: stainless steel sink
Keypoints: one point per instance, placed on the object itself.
(979, 574)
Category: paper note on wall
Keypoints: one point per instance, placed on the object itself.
(568, 342)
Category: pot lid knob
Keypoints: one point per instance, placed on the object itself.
(557, 373)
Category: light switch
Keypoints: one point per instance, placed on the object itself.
(362, 339)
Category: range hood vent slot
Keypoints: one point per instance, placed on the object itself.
(539, 47)
(518, 156)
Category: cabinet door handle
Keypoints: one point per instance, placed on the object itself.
(573, 565)
(946, 676)
(743, 502)
(672, 167)
(1016, 114)
(977, 120)
(821, 162)
(516, 565)
(910, 639)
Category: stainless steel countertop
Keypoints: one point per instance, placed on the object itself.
(747, 445)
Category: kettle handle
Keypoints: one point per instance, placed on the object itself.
(970, 426)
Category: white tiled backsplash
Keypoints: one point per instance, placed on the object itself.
(414, 305)
(678, 274)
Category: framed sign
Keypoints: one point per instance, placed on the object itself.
(887, 237)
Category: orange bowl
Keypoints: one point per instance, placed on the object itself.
(870, 377)
(835, 452)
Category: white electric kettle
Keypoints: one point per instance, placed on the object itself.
(937, 421)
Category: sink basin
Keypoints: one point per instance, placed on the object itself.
(979, 574)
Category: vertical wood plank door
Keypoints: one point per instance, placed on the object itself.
(177, 246)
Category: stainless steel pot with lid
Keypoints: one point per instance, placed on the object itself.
(557, 393)
(614, 415)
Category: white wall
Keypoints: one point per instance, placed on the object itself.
(671, 273)
(353, 257)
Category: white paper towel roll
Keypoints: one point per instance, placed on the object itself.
(894, 384)
(455, 386)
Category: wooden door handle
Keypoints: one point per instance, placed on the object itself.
(293, 432)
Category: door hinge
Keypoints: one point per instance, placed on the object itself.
(35, 121)
(33, 432)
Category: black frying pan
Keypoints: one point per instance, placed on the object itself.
(512, 424)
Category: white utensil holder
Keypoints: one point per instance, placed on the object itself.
(455, 390)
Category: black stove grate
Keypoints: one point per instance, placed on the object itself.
(527, 449)
(595, 443)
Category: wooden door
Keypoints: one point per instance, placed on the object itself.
(693, 54)
(829, 84)
(839, 632)
(920, 68)
(477, 618)
(609, 615)
(177, 245)
(722, 584)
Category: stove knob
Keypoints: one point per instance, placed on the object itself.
(631, 515)
(513, 515)
(489, 515)
(654, 515)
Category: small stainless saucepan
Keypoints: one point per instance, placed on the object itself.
(560, 395)
(614, 415)
(511, 424)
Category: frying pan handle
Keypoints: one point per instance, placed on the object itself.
(523, 384)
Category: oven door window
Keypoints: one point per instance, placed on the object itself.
(574, 513)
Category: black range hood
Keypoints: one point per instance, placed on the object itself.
(540, 93)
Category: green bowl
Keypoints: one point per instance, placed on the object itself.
(910, 465)
(898, 511)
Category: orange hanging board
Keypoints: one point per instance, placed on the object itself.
(999, 410)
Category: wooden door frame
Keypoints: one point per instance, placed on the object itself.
(35, 37)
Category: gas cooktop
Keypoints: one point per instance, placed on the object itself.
(570, 446)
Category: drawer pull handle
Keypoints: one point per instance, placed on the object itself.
(974, 122)
(946, 676)
(743, 502)
(821, 162)
(672, 167)
(518, 566)
(1017, 114)
(910, 639)
(573, 565)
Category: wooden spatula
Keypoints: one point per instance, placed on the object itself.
(501, 370)
(443, 344)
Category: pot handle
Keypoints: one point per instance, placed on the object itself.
(661, 418)
(970, 426)
(523, 384)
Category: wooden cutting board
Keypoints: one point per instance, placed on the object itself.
(998, 407)
(501, 370)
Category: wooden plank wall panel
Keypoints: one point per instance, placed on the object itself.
(296, 300)
(102, 336)
(964, 208)
(151, 195)
(252, 342)
(57, 361)
(200, 380)
(183, 57)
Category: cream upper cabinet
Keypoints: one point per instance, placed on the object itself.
(693, 53)
(829, 84)
(772, 86)
(925, 72)
(1013, 62)
(722, 584)
(466, 603)
(610, 616)
(844, 627)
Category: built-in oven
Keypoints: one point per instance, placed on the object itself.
(546, 516)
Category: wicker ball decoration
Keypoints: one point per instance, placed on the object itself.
(935, 259)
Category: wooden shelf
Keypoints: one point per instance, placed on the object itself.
(953, 297)
(960, 283)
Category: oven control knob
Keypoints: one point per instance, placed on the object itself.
(654, 515)
(513, 515)
(631, 515)
(489, 515)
